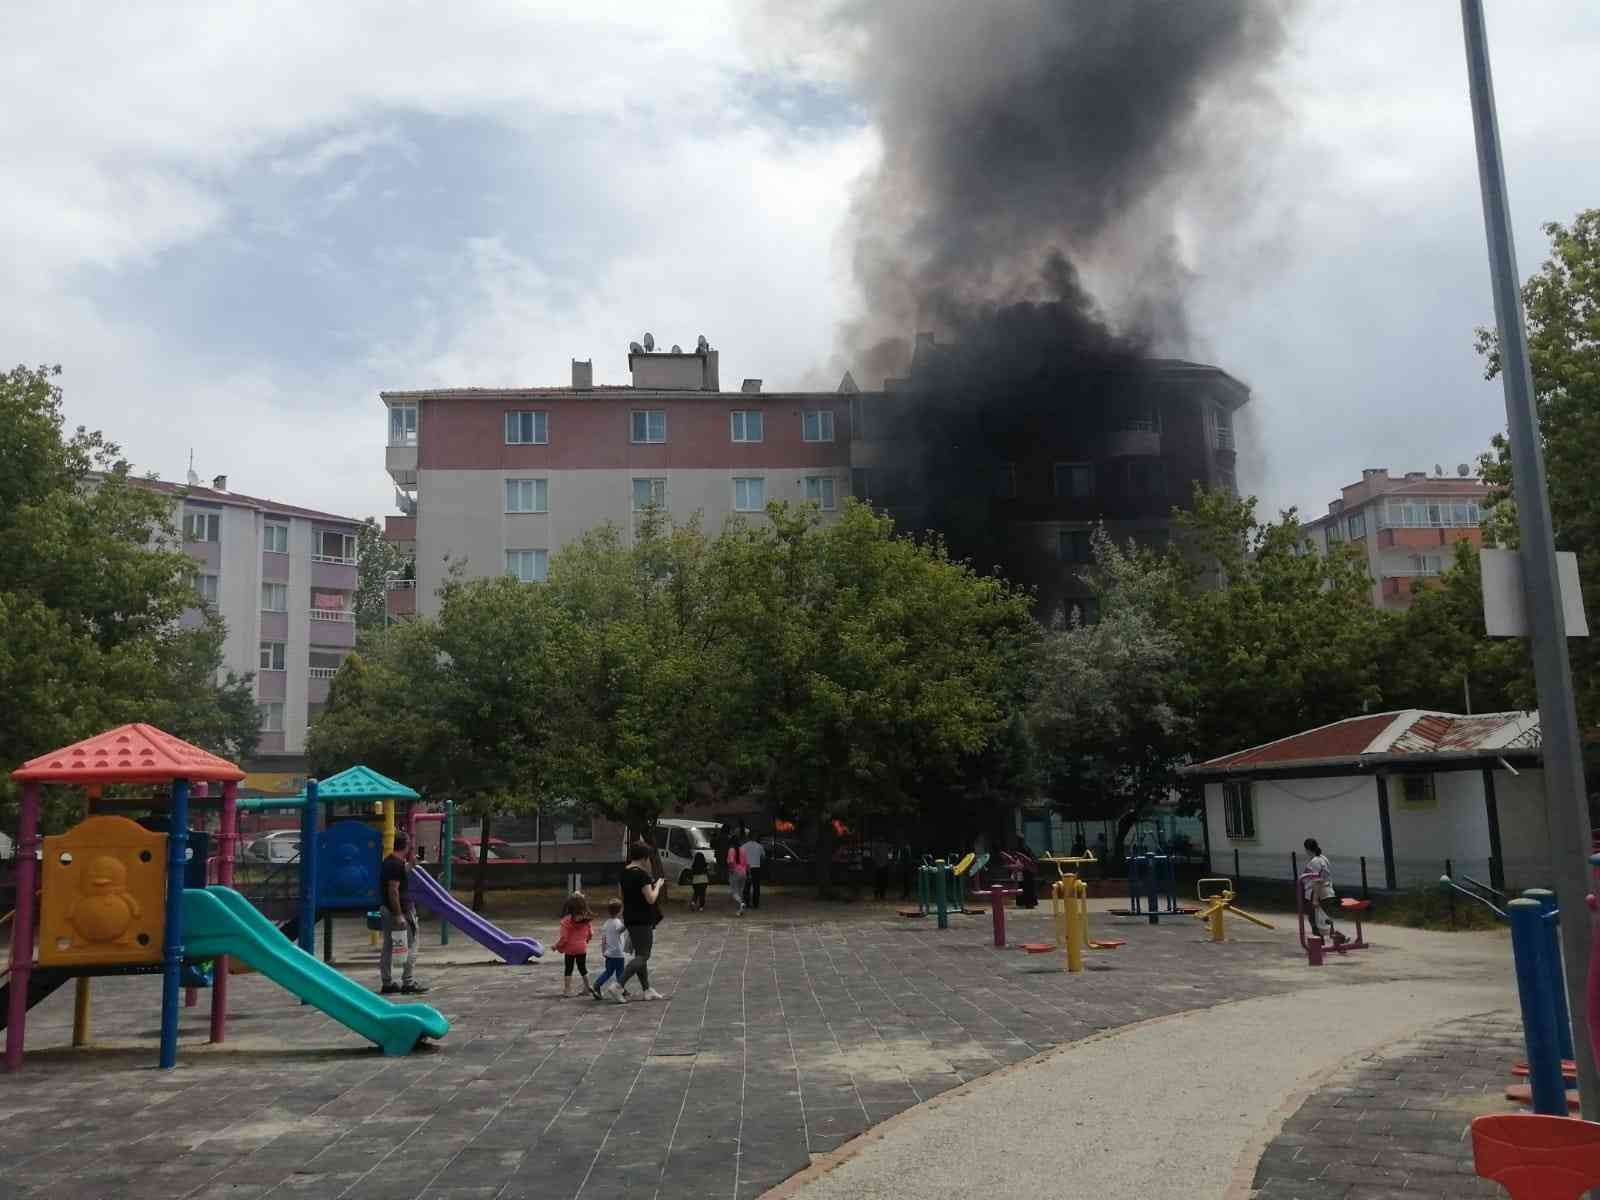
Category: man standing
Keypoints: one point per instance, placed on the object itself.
(399, 918)
(753, 855)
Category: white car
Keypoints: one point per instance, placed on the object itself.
(279, 846)
(679, 839)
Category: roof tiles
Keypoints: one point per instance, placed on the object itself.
(134, 753)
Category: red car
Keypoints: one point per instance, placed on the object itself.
(464, 851)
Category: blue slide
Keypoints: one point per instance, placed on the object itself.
(218, 920)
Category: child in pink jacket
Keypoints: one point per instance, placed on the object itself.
(573, 939)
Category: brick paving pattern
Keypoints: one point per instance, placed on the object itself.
(1394, 1126)
(782, 1038)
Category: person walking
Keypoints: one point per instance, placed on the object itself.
(640, 915)
(1317, 885)
(699, 879)
(611, 938)
(577, 926)
(880, 869)
(736, 878)
(399, 922)
(753, 855)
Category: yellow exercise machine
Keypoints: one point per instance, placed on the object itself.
(1218, 904)
(1069, 911)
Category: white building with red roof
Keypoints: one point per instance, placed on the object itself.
(1404, 793)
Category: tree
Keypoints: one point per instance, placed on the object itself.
(380, 560)
(94, 589)
(1108, 715)
(1561, 304)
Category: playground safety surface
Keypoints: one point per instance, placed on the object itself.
(786, 1034)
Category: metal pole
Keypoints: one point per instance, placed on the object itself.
(1538, 1021)
(1550, 959)
(172, 936)
(1566, 802)
(1491, 812)
(1387, 832)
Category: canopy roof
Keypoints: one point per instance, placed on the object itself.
(134, 753)
(362, 783)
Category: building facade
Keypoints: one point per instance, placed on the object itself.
(1406, 527)
(500, 478)
(283, 580)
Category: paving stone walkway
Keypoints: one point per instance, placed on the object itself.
(782, 1038)
(1394, 1126)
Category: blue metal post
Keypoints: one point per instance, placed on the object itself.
(1150, 888)
(1169, 878)
(938, 894)
(1538, 1015)
(1133, 884)
(172, 938)
(447, 856)
(308, 870)
(1550, 958)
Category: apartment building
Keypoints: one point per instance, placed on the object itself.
(499, 479)
(1406, 527)
(283, 579)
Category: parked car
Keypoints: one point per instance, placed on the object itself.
(465, 850)
(279, 846)
(678, 840)
(780, 851)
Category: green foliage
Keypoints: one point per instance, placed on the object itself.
(1561, 304)
(92, 586)
(380, 560)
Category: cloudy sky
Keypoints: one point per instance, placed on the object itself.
(233, 226)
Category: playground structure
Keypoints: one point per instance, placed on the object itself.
(942, 886)
(1217, 904)
(1152, 888)
(1313, 943)
(1069, 915)
(116, 897)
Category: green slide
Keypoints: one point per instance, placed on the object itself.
(218, 920)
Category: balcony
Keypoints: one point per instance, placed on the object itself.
(401, 462)
(335, 574)
(401, 598)
(332, 627)
(1428, 536)
(1131, 443)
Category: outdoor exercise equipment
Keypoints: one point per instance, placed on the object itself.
(1218, 904)
(1313, 943)
(120, 898)
(996, 894)
(1069, 913)
(1152, 888)
(1026, 873)
(1537, 1157)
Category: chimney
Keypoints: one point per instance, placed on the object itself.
(1369, 472)
(219, 483)
(712, 381)
(582, 374)
(750, 386)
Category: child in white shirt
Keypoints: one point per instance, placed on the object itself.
(612, 934)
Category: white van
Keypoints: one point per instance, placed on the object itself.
(679, 839)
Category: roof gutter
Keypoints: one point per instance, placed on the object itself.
(1447, 760)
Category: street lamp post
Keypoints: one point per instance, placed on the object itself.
(1566, 799)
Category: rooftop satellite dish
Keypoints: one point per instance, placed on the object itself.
(635, 348)
(1463, 470)
(701, 344)
(649, 341)
(194, 476)
(677, 349)
(1437, 469)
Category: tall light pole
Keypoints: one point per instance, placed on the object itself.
(1566, 798)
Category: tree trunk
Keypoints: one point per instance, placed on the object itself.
(824, 864)
(483, 865)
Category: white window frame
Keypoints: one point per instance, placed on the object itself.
(274, 656)
(208, 594)
(650, 417)
(529, 495)
(270, 715)
(267, 592)
(657, 486)
(1069, 494)
(537, 425)
(1356, 525)
(746, 506)
(210, 524)
(1418, 791)
(740, 421)
(348, 544)
(823, 490)
(816, 425)
(275, 531)
(1420, 564)
(578, 830)
(1239, 810)
(540, 570)
(1070, 537)
(403, 422)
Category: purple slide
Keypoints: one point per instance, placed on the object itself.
(432, 896)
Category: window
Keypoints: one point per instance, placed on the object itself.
(1357, 525)
(271, 715)
(201, 526)
(206, 587)
(1074, 480)
(1222, 430)
(272, 656)
(527, 428)
(649, 425)
(1335, 534)
(1416, 791)
(530, 566)
(1147, 477)
(816, 425)
(1419, 514)
(1139, 416)
(274, 597)
(860, 484)
(820, 489)
(749, 495)
(330, 545)
(402, 425)
(1072, 546)
(1427, 564)
(746, 425)
(579, 829)
(649, 492)
(275, 538)
(527, 495)
(1005, 481)
(1239, 811)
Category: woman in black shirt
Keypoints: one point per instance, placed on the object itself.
(639, 892)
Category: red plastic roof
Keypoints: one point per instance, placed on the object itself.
(128, 754)
(1339, 740)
